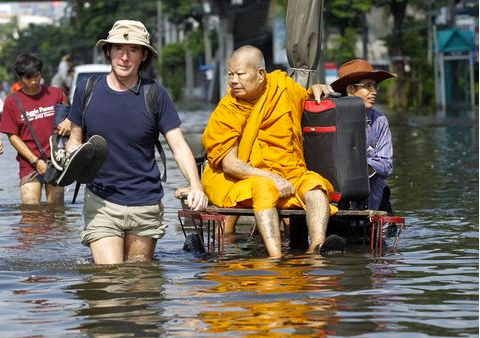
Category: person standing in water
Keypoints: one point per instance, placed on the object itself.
(123, 211)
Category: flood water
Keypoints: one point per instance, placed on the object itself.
(427, 287)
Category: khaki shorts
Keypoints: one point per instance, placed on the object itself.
(32, 177)
(107, 219)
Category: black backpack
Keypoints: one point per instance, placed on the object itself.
(150, 95)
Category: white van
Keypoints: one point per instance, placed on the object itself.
(83, 72)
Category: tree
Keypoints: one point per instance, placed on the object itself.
(347, 18)
(49, 42)
(179, 11)
(173, 69)
(77, 35)
(408, 48)
(407, 45)
(189, 16)
(344, 49)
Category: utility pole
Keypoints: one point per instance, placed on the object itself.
(207, 44)
(430, 19)
(451, 13)
(159, 37)
(363, 20)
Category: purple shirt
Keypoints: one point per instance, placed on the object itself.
(379, 155)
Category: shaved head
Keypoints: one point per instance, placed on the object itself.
(253, 56)
(246, 73)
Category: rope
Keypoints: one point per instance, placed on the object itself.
(305, 70)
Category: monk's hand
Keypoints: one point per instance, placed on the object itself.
(285, 188)
(196, 199)
(321, 91)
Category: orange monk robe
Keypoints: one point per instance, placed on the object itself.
(269, 136)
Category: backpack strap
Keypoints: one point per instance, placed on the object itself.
(151, 97)
(91, 82)
(30, 128)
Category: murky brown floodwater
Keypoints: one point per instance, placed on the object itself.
(427, 288)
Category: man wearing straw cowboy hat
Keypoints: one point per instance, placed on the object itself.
(122, 208)
(358, 78)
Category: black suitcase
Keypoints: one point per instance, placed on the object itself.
(334, 145)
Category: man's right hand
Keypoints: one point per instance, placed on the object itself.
(75, 140)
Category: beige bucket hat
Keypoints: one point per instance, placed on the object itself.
(128, 32)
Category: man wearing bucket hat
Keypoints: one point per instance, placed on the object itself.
(122, 208)
(359, 78)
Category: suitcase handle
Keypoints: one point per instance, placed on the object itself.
(335, 95)
(313, 107)
(331, 129)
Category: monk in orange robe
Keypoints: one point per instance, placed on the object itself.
(255, 151)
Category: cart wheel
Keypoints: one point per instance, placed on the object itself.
(193, 243)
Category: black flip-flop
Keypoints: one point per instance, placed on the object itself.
(89, 172)
(333, 245)
(76, 163)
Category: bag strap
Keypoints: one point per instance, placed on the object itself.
(151, 95)
(91, 82)
(30, 128)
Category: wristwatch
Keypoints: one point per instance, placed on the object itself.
(35, 163)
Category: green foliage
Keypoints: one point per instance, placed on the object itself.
(7, 51)
(178, 11)
(49, 43)
(189, 13)
(173, 69)
(91, 21)
(345, 18)
(417, 87)
(343, 14)
(194, 42)
(412, 90)
(282, 4)
(344, 49)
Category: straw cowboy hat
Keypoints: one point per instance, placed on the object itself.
(357, 70)
(128, 32)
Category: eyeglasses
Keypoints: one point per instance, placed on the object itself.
(369, 86)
